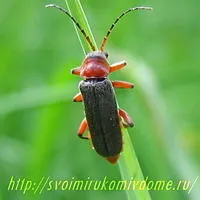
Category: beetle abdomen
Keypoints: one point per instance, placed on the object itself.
(102, 116)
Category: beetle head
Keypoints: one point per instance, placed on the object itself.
(95, 65)
(97, 54)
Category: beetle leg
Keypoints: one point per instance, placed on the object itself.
(82, 128)
(126, 118)
(126, 125)
(117, 66)
(76, 71)
(78, 98)
(123, 124)
(122, 84)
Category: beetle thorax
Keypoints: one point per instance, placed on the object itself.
(95, 65)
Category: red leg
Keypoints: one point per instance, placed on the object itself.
(117, 66)
(122, 84)
(126, 118)
(78, 98)
(123, 124)
(76, 71)
(82, 128)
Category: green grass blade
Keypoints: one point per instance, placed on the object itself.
(130, 169)
(75, 8)
(128, 163)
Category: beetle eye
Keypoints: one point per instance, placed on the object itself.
(106, 54)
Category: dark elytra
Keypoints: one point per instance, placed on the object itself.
(97, 93)
(102, 116)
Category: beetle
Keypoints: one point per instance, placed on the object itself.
(103, 118)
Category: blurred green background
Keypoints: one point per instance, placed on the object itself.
(38, 120)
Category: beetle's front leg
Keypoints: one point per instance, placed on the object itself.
(82, 128)
(122, 84)
(117, 66)
(127, 119)
(78, 97)
(76, 71)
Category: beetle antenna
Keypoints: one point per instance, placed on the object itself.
(75, 21)
(115, 22)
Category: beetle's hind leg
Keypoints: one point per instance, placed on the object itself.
(78, 97)
(82, 129)
(127, 121)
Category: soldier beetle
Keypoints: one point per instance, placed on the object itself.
(103, 118)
